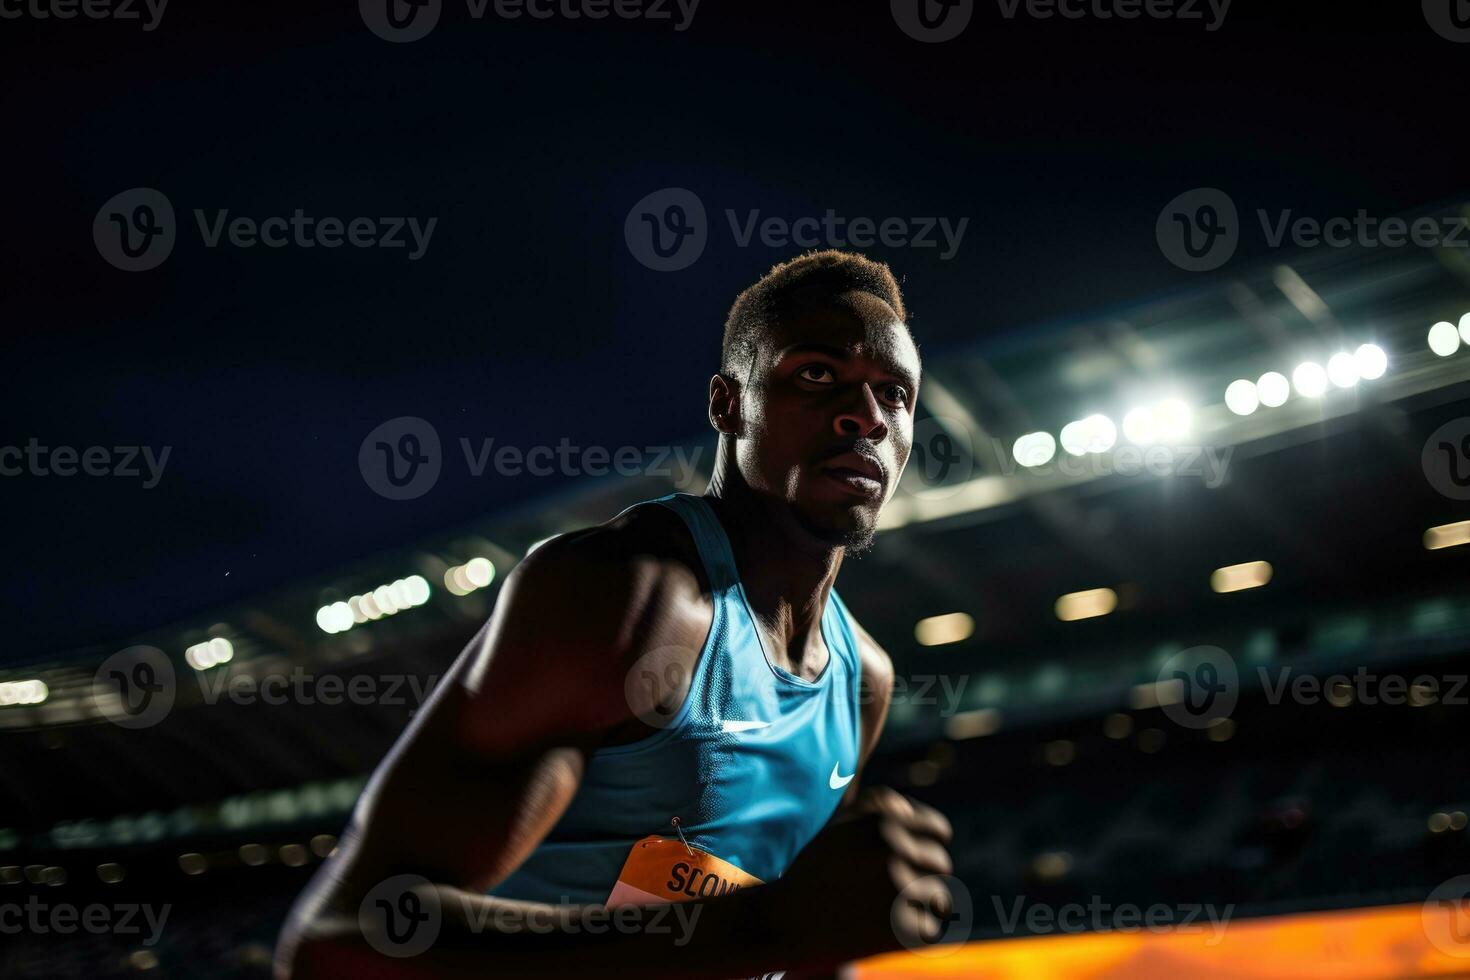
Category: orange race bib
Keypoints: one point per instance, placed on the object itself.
(663, 869)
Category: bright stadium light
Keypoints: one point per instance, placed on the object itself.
(385, 600)
(1444, 339)
(1235, 578)
(1086, 605)
(1309, 380)
(473, 574)
(1465, 328)
(1138, 426)
(1371, 361)
(1342, 369)
(1241, 397)
(1172, 420)
(948, 628)
(1094, 434)
(1273, 389)
(23, 692)
(211, 653)
(1034, 449)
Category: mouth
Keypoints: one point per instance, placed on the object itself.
(857, 473)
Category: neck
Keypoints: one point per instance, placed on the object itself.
(786, 572)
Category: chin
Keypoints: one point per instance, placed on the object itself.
(851, 527)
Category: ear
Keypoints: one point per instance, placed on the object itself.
(724, 404)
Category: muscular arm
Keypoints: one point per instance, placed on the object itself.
(487, 769)
(875, 693)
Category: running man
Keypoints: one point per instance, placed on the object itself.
(672, 707)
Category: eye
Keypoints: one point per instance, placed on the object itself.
(895, 394)
(817, 374)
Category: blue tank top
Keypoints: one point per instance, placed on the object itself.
(753, 763)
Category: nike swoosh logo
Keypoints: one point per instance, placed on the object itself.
(836, 781)
(743, 726)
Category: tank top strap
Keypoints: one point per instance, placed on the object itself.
(709, 538)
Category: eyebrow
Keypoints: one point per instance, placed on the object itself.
(844, 354)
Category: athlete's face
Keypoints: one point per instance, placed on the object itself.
(828, 414)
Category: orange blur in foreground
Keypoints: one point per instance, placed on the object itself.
(1358, 944)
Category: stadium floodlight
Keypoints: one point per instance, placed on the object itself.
(1465, 328)
(1309, 380)
(1371, 361)
(1342, 369)
(1034, 449)
(1172, 420)
(1094, 434)
(1139, 427)
(1273, 389)
(1444, 339)
(1241, 397)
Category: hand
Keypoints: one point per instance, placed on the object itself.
(868, 883)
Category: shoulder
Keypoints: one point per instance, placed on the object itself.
(578, 611)
(876, 664)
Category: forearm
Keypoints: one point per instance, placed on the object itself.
(738, 935)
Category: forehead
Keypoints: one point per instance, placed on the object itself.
(856, 323)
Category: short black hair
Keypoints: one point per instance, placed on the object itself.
(828, 271)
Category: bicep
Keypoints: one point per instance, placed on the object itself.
(485, 771)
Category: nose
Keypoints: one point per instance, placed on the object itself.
(862, 417)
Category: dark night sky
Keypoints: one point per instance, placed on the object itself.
(528, 319)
